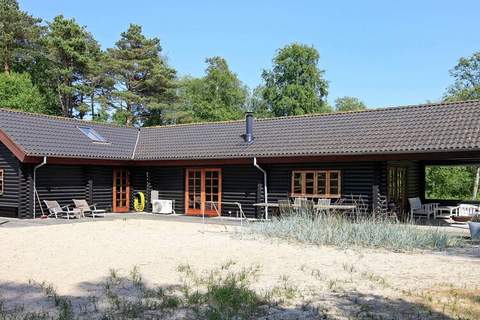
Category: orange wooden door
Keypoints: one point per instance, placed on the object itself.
(203, 191)
(121, 190)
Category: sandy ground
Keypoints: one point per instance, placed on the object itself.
(75, 258)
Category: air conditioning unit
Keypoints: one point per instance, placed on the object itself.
(162, 206)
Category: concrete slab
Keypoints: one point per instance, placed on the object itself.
(19, 223)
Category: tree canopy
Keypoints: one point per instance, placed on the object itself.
(143, 80)
(66, 72)
(69, 48)
(295, 85)
(18, 92)
(349, 104)
(466, 75)
(450, 182)
(219, 95)
(18, 33)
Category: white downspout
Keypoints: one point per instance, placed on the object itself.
(44, 162)
(265, 190)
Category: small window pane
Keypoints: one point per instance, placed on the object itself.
(297, 182)
(309, 182)
(334, 175)
(334, 183)
(322, 183)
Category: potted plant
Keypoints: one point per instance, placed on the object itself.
(474, 225)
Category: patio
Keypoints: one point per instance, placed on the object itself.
(445, 224)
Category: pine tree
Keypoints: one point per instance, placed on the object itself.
(18, 34)
(70, 49)
(144, 83)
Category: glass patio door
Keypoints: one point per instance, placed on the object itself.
(121, 190)
(397, 187)
(203, 191)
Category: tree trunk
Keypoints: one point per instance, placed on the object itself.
(475, 186)
(92, 105)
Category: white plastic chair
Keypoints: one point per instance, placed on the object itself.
(468, 210)
(419, 209)
(298, 201)
(324, 202)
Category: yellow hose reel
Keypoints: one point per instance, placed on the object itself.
(139, 201)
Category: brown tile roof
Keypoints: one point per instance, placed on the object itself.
(43, 135)
(423, 128)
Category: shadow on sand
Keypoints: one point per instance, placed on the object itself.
(40, 301)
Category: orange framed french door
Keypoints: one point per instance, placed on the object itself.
(121, 190)
(203, 191)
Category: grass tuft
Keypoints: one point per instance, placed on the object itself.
(221, 293)
(342, 232)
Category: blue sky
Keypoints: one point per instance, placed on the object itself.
(383, 52)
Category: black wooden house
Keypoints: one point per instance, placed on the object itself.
(382, 151)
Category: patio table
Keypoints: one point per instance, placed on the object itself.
(437, 212)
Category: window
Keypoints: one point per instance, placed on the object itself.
(321, 184)
(1, 181)
(92, 134)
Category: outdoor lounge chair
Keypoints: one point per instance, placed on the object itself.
(56, 210)
(419, 209)
(87, 209)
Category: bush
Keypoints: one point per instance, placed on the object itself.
(343, 232)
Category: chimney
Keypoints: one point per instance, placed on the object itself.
(248, 136)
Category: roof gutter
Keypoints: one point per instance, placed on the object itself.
(35, 194)
(265, 190)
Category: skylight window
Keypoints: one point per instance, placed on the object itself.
(92, 134)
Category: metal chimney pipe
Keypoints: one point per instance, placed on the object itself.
(248, 136)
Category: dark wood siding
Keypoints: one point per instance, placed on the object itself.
(414, 176)
(61, 183)
(169, 181)
(101, 190)
(25, 198)
(239, 184)
(9, 199)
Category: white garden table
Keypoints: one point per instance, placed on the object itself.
(439, 211)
